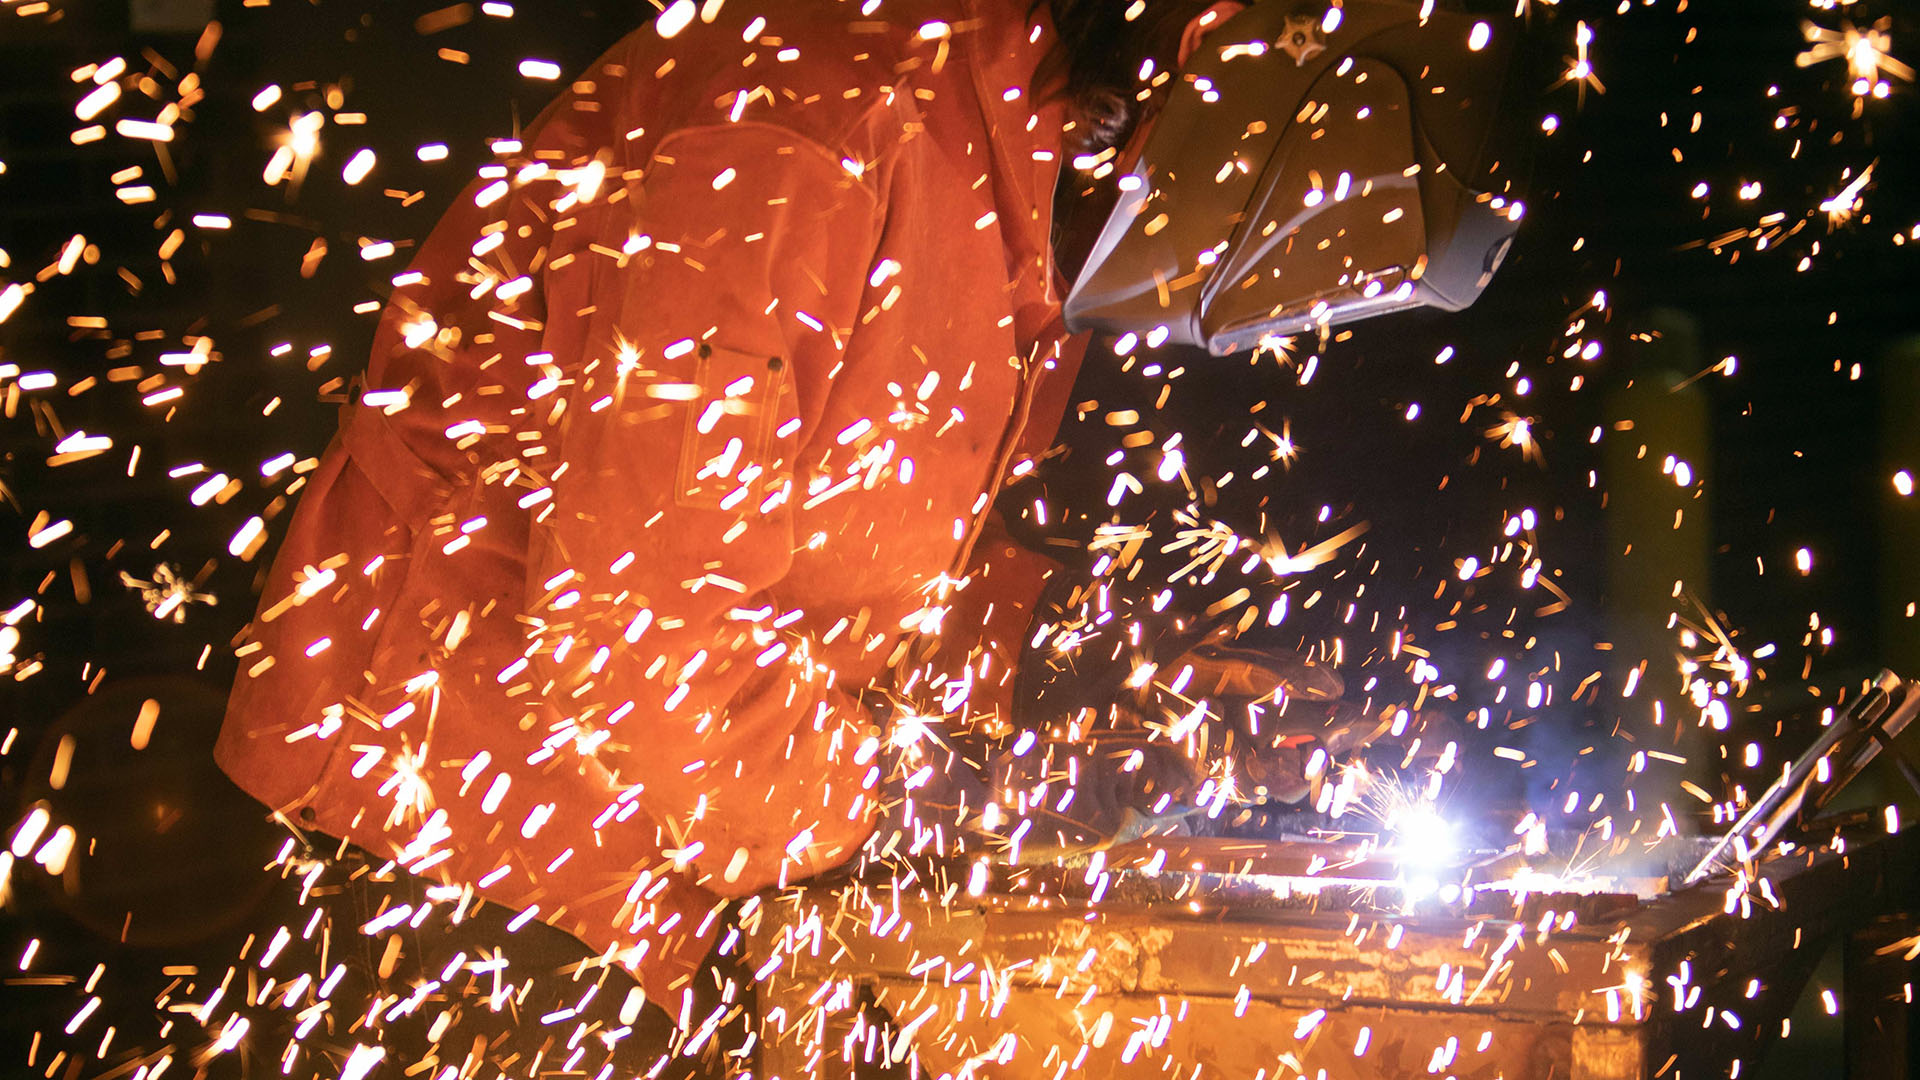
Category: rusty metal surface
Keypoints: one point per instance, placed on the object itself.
(1032, 983)
(1118, 991)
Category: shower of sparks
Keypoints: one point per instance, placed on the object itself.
(1459, 677)
(1579, 67)
(1309, 556)
(168, 595)
(1516, 432)
(1846, 202)
(1865, 52)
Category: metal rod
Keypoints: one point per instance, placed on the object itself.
(1782, 802)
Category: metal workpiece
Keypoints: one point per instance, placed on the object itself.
(1022, 981)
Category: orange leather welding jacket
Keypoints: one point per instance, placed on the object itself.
(677, 433)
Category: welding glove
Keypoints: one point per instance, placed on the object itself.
(1028, 798)
(1066, 798)
(1222, 668)
(1242, 726)
(1264, 713)
(1404, 739)
(1278, 698)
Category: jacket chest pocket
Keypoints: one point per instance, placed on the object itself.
(739, 430)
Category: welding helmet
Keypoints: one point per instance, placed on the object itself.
(1310, 167)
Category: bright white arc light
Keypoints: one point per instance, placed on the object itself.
(1423, 837)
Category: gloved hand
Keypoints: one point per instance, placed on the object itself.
(1278, 721)
(1222, 668)
(1263, 713)
(1030, 798)
(1222, 723)
(1063, 798)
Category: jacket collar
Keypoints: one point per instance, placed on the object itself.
(1001, 46)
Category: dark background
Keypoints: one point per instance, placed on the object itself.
(1795, 449)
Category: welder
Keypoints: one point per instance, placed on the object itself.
(658, 563)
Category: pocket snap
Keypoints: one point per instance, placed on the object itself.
(732, 439)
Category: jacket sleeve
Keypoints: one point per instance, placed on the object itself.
(656, 580)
